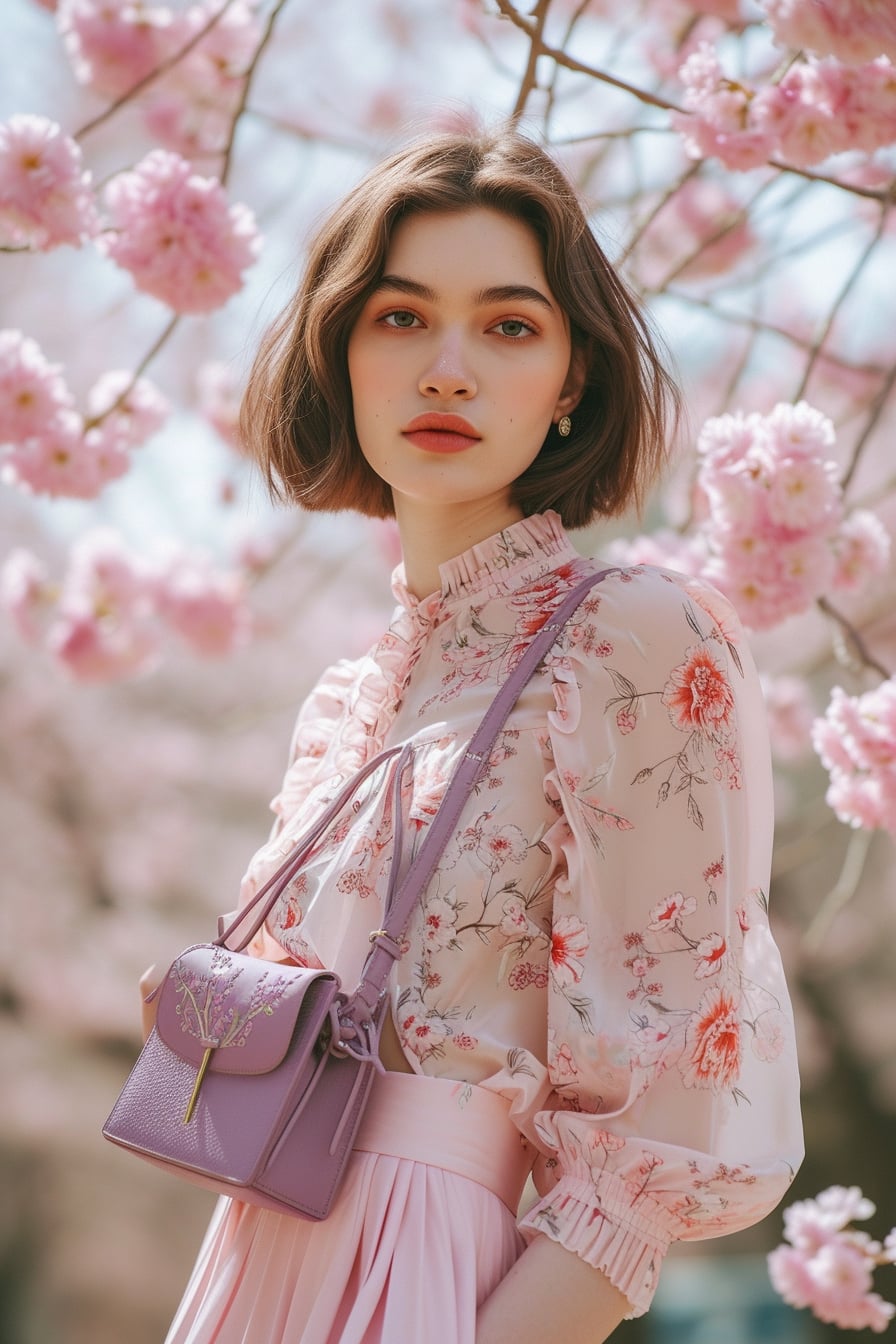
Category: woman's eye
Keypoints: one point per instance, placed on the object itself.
(514, 327)
(400, 318)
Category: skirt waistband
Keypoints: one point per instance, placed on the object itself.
(459, 1127)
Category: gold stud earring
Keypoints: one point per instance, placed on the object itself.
(564, 426)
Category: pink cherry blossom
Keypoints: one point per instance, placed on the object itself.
(798, 428)
(856, 741)
(104, 627)
(687, 228)
(136, 417)
(685, 553)
(810, 1223)
(33, 392)
(789, 1273)
(790, 716)
(801, 113)
(205, 607)
(803, 493)
(113, 44)
(45, 196)
(191, 109)
(852, 30)
(774, 509)
(861, 550)
(26, 593)
(828, 1266)
(869, 105)
(717, 119)
(59, 462)
(834, 1282)
(176, 234)
(219, 394)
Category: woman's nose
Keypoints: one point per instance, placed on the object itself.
(449, 373)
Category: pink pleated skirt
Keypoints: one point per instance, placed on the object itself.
(423, 1229)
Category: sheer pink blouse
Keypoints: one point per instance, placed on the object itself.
(595, 943)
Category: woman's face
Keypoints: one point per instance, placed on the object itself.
(459, 361)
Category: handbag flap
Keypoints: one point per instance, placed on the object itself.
(246, 1009)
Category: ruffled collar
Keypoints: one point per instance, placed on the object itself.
(510, 559)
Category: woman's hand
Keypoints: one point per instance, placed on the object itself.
(149, 980)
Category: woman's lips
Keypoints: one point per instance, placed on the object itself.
(441, 433)
(440, 440)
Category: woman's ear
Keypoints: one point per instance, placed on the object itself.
(574, 386)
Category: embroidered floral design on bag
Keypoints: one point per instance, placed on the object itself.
(206, 1009)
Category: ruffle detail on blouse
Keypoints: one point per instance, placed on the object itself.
(511, 558)
(346, 720)
(597, 1222)
(312, 736)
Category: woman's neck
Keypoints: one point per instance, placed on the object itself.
(432, 535)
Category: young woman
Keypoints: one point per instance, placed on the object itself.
(588, 988)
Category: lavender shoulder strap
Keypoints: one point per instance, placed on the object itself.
(400, 904)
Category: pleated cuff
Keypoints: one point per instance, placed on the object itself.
(601, 1227)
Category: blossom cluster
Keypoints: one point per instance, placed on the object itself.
(828, 1265)
(776, 535)
(856, 740)
(192, 107)
(189, 107)
(177, 235)
(852, 30)
(816, 109)
(107, 617)
(174, 230)
(46, 198)
(51, 448)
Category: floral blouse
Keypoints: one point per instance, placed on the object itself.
(594, 945)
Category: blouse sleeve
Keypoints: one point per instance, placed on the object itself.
(670, 1043)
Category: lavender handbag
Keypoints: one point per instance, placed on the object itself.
(254, 1080)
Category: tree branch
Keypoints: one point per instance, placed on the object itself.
(528, 81)
(247, 84)
(161, 69)
(845, 291)
(851, 649)
(843, 890)
(666, 105)
(877, 409)
(762, 325)
(141, 368)
(570, 63)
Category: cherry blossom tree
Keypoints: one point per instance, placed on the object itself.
(160, 164)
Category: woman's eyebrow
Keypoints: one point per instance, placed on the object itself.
(494, 294)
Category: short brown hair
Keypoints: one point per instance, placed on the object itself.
(296, 416)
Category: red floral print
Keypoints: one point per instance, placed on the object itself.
(698, 694)
(669, 913)
(569, 943)
(713, 1043)
(525, 975)
(710, 953)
